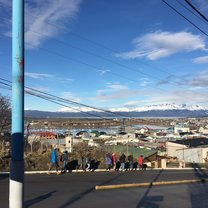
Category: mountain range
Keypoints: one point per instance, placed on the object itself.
(163, 110)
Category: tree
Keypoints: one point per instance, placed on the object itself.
(5, 116)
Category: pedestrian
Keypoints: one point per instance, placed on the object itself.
(108, 162)
(113, 158)
(122, 160)
(131, 161)
(64, 160)
(87, 161)
(83, 163)
(140, 162)
(118, 165)
(54, 161)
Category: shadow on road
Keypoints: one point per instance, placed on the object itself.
(198, 191)
(149, 201)
(199, 172)
(84, 193)
(3, 176)
(38, 199)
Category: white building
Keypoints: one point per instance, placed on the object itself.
(189, 150)
(181, 129)
(203, 130)
(197, 155)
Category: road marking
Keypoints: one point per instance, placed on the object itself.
(117, 186)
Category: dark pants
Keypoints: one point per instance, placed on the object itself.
(52, 165)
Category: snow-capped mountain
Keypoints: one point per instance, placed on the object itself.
(163, 110)
(160, 107)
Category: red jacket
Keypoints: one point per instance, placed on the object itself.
(140, 160)
(113, 159)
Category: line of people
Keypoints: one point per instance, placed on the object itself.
(123, 163)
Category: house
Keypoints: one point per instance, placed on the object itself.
(45, 135)
(203, 130)
(155, 161)
(189, 150)
(181, 129)
(143, 130)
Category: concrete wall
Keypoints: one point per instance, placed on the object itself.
(173, 147)
(196, 155)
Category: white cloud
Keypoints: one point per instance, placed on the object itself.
(70, 96)
(176, 96)
(38, 75)
(44, 19)
(114, 91)
(201, 60)
(131, 104)
(116, 86)
(44, 16)
(144, 82)
(198, 80)
(163, 44)
(75, 109)
(103, 71)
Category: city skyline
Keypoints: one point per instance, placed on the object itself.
(110, 54)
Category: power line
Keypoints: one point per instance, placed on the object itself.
(106, 59)
(184, 17)
(113, 73)
(50, 100)
(101, 57)
(62, 99)
(95, 67)
(196, 10)
(9, 87)
(190, 11)
(110, 72)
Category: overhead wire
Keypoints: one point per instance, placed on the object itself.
(191, 11)
(101, 57)
(54, 97)
(9, 87)
(109, 72)
(196, 10)
(104, 58)
(113, 73)
(95, 67)
(179, 13)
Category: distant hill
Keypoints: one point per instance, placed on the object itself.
(150, 113)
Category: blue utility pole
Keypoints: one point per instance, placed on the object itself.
(16, 188)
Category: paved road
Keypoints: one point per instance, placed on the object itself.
(77, 190)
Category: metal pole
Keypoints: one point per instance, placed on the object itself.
(16, 188)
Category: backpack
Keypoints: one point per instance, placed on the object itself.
(62, 158)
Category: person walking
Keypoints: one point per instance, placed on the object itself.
(122, 160)
(108, 162)
(131, 161)
(140, 162)
(54, 161)
(113, 158)
(88, 161)
(64, 160)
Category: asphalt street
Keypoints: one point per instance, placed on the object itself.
(77, 190)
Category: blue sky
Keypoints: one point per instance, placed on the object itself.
(110, 54)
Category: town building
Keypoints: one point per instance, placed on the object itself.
(189, 150)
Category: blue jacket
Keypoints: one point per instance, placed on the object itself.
(53, 156)
(108, 160)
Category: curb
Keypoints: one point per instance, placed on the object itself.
(99, 170)
(133, 185)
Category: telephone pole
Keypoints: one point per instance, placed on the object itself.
(16, 182)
